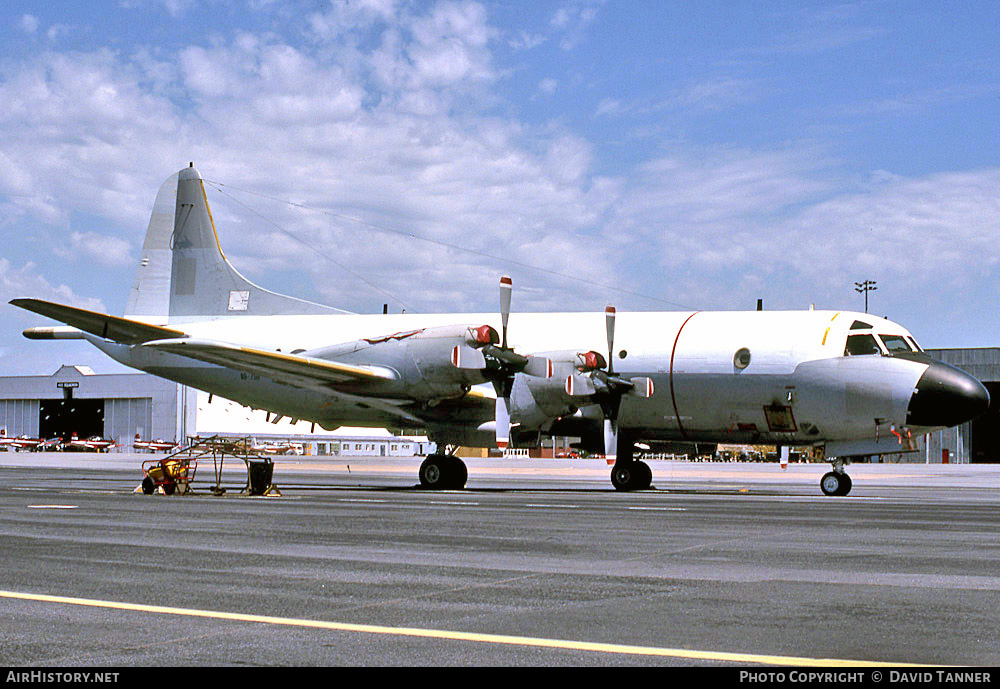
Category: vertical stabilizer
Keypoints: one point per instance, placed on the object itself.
(150, 295)
(183, 273)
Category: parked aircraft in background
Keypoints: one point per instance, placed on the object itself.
(19, 443)
(851, 383)
(91, 444)
(154, 445)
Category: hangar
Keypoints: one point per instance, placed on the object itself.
(121, 406)
(74, 399)
(978, 441)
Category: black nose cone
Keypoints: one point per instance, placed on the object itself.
(946, 396)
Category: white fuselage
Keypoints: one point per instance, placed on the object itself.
(795, 387)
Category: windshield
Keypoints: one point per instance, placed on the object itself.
(896, 343)
(859, 345)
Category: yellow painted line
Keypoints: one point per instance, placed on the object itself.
(502, 639)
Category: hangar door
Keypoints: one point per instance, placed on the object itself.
(63, 417)
(985, 439)
(127, 417)
(19, 417)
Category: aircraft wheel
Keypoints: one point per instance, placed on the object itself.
(631, 476)
(833, 483)
(845, 484)
(460, 473)
(443, 472)
(644, 475)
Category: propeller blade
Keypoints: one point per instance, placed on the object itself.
(506, 288)
(610, 439)
(609, 318)
(467, 358)
(539, 367)
(579, 386)
(503, 422)
(643, 387)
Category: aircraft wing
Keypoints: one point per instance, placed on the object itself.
(298, 370)
(123, 330)
(291, 369)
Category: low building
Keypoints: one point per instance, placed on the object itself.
(117, 406)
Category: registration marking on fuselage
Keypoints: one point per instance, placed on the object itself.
(497, 639)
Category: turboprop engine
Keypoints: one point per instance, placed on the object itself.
(431, 363)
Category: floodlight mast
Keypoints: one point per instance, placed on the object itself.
(864, 288)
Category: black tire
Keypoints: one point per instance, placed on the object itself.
(461, 474)
(623, 476)
(148, 487)
(432, 472)
(443, 472)
(832, 483)
(645, 475)
(845, 484)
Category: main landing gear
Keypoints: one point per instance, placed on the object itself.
(631, 475)
(443, 472)
(836, 482)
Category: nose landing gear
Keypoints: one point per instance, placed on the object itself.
(836, 482)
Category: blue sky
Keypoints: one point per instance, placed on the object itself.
(654, 155)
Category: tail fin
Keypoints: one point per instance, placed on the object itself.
(183, 273)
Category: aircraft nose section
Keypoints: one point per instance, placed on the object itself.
(946, 396)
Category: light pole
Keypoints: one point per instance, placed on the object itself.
(865, 287)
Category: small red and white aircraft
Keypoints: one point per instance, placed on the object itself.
(92, 444)
(850, 383)
(23, 442)
(154, 445)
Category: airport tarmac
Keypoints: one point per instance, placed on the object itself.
(537, 563)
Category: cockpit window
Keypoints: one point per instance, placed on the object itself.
(859, 345)
(913, 343)
(896, 343)
(860, 325)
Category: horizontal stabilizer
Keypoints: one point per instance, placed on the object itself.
(292, 368)
(103, 325)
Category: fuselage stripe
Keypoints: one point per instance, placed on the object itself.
(673, 397)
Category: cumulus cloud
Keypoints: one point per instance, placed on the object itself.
(381, 125)
(28, 23)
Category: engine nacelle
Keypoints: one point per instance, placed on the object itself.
(432, 363)
(536, 402)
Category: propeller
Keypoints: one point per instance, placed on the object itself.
(611, 401)
(605, 386)
(502, 364)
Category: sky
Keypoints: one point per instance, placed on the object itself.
(651, 155)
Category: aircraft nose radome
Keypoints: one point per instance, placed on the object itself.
(946, 396)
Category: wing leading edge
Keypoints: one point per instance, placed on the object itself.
(103, 325)
(292, 368)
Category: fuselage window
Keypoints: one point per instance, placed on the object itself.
(896, 343)
(859, 345)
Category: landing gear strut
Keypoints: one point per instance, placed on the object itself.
(629, 473)
(443, 472)
(836, 482)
